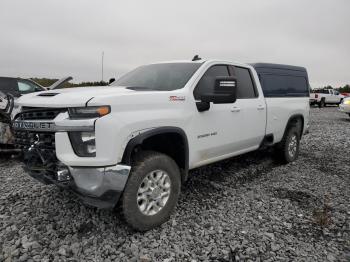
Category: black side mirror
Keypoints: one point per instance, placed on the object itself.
(111, 80)
(225, 91)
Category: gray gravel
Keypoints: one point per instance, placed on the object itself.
(246, 208)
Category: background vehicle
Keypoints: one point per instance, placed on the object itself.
(15, 87)
(19, 86)
(6, 136)
(60, 83)
(325, 96)
(137, 139)
(345, 106)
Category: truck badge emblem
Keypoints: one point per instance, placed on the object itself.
(177, 98)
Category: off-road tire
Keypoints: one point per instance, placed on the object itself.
(282, 151)
(144, 163)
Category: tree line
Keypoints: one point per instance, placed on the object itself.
(344, 89)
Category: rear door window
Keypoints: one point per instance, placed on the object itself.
(245, 84)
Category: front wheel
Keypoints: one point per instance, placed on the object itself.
(288, 149)
(152, 190)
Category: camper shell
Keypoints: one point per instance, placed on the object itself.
(282, 80)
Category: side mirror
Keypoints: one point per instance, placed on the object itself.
(225, 91)
(111, 80)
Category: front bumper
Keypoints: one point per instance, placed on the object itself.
(96, 186)
(48, 156)
(100, 187)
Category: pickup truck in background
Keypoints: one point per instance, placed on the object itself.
(134, 142)
(323, 97)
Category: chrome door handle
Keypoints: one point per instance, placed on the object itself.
(235, 109)
(261, 107)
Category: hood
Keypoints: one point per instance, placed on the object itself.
(70, 97)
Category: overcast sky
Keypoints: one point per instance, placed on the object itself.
(56, 38)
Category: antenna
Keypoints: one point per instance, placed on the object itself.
(103, 53)
(196, 58)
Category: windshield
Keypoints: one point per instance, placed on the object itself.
(163, 77)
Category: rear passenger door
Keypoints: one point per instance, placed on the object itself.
(329, 96)
(251, 105)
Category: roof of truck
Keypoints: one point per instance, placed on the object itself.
(268, 66)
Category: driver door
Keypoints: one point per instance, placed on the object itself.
(215, 132)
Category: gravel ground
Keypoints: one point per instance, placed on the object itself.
(246, 208)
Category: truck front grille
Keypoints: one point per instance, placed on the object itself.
(33, 113)
(39, 140)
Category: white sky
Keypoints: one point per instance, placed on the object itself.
(56, 38)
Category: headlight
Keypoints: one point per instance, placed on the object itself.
(83, 143)
(88, 112)
(346, 102)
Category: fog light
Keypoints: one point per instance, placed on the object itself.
(63, 175)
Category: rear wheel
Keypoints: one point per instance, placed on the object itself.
(322, 103)
(288, 149)
(152, 190)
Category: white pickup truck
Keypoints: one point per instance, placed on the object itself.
(325, 96)
(134, 142)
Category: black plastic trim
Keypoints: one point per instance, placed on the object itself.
(138, 140)
(291, 118)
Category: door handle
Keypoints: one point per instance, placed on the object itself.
(260, 107)
(235, 109)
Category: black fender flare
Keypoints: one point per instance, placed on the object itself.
(289, 123)
(139, 139)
